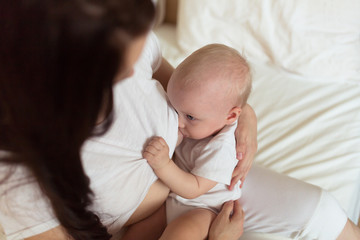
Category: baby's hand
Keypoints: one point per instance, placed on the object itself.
(157, 153)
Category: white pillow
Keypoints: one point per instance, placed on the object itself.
(313, 38)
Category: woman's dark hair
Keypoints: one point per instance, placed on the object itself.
(58, 60)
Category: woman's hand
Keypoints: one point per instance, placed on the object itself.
(246, 144)
(228, 225)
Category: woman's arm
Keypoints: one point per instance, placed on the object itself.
(228, 225)
(246, 144)
(149, 228)
(57, 233)
(182, 183)
(163, 73)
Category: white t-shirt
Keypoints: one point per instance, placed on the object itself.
(213, 158)
(120, 177)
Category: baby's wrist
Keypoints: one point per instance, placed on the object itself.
(160, 167)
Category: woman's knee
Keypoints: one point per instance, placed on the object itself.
(328, 220)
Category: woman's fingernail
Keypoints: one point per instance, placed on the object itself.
(239, 155)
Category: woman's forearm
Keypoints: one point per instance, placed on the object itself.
(54, 233)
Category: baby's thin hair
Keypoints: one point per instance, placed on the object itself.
(218, 62)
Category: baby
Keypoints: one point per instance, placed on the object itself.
(208, 90)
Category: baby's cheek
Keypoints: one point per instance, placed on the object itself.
(180, 138)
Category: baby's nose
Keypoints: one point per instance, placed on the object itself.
(181, 123)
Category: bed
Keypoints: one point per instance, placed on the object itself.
(305, 57)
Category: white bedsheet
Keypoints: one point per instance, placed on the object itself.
(312, 38)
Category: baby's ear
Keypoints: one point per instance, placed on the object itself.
(233, 115)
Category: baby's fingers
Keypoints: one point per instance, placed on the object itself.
(152, 149)
(158, 143)
(148, 155)
(151, 154)
(160, 140)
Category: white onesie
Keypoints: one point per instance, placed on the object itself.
(213, 158)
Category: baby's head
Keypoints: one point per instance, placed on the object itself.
(208, 90)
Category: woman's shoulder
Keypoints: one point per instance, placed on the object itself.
(152, 52)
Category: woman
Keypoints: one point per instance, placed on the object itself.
(58, 63)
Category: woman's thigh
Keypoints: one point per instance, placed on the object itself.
(276, 203)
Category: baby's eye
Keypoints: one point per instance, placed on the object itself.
(191, 118)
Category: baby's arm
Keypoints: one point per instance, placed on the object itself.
(180, 182)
